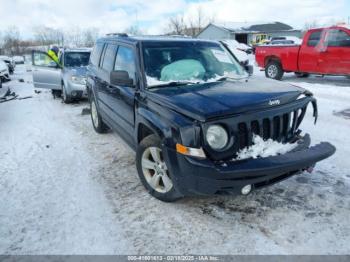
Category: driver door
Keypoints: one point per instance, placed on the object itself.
(46, 72)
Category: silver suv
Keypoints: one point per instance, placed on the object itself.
(66, 79)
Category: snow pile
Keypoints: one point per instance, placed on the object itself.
(262, 148)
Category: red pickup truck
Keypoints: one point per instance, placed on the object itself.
(324, 51)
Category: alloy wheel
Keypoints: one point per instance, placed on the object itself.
(155, 170)
(272, 71)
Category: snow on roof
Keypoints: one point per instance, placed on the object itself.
(254, 26)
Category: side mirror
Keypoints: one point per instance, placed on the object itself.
(121, 78)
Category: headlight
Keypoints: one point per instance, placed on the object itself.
(78, 80)
(217, 137)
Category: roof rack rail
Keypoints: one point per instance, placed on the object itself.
(117, 34)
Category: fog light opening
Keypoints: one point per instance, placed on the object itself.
(74, 93)
(246, 189)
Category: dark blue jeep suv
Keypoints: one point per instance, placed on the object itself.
(198, 122)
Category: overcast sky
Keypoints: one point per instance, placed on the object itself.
(152, 15)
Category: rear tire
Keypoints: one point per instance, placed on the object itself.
(97, 122)
(153, 170)
(274, 70)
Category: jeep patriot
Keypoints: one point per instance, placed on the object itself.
(192, 113)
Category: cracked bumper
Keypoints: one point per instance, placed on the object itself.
(193, 176)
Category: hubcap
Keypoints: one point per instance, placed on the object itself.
(94, 115)
(272, 71)
(155, 170)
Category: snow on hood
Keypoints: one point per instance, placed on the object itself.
(262, 148)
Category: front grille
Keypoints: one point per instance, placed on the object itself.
(281, 128)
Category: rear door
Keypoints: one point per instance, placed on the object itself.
(123, 97)
(336, 52)
(105, 90)
(46, 72)
(310, 51)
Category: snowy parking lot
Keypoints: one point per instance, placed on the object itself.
(66, 190)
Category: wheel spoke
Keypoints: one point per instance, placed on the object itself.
(154, 181)
(146, 163)
(155, 152)
(167, 182)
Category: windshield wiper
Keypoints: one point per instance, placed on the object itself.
(173, 83)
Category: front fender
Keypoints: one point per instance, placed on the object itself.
(169, 125)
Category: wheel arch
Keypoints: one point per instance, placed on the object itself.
(272, 58)
(149, 123)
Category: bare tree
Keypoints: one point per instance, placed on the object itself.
(89, 36)
(190, 26)
(133, 30)
(11, 40)
(310, 25)
(177, 25)
(46, 36)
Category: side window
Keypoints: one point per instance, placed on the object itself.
(42, 59)
(338, 38)
(314, 38)
(96, 53)
(109, 58)
(126, 61)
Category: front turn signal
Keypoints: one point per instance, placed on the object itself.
(189, 151)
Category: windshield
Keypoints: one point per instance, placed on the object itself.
(188, 63)
(76, 59)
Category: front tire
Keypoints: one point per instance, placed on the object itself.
(274, 70)
(97, 122)
(153, 170)
(65, 97)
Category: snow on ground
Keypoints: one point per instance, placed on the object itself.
(66, 190)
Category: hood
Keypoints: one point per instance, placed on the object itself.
(210, 100)
(77, 71)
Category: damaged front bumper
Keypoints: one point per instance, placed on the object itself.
(205, 177)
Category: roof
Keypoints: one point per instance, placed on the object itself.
(78, 49)
(150, 38)
(253, 26)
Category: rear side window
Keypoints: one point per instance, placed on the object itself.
(96, 54)
(126, 61)
(314, 38)
(338, 38)
(109, 58)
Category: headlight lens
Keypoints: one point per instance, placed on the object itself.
(78, 80)
(217, 137)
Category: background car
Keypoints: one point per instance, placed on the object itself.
(4, 73)
(68, 78)
(9, 62)
(238, 53)
(239, 46)
(18, 59)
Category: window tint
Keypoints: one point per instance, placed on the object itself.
(109, 57)
(125, 61)
(96, 53)
(338, 38)
(314, 38)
